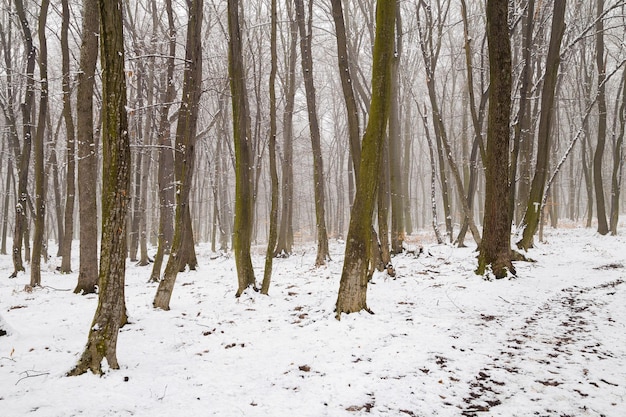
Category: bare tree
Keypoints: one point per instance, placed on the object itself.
(111, 311)
(352, 296)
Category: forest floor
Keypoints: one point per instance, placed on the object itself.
(442, 341)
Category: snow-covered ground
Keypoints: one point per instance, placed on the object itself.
(442, 341)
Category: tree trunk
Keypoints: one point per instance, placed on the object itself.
(166, 156)
(111, 314)
(272, 237)
(87, 152)
(603, 227)
(24, 158)
(531, 218)
(618, 161)
(495, 248)
(40, 190)
(285, 232)
(318, 166)
(184, 158)
(244, 209)
(352, 296)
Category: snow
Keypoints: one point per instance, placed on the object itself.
(442, 341)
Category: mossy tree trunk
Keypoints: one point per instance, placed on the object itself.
(533, 209)
(110, 313)
(495, 248)
(87, 155)
(244, 201)
(40, 190)
(184, 157)
(352, 296)
(618, 161)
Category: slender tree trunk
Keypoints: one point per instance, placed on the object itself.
(383, 198)
(352, 296)
(244, 209)
(21, 225)
(166, 155)
(111, 311)
(66, 244)
(603, 227)
(531, 218)
(184, 159)
(618, 161)
(318, 166)
(40, 190)
(87, 151)
(285, 233)
(271, 240)
(495, 248)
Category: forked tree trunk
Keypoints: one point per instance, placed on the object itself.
(184, 158)
(111, 313)
(244, 209)
(318, 166)
(352, 296)
(87, 153)
(495, 248)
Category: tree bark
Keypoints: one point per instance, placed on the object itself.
(495, 248)
(111, 313)
(618, 161)
(352, 296)
(87, 151)
(318, 166)
(184, 157)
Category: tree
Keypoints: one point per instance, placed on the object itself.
(318, 164)
(352, 296)
(531, 217)
(603, 227)
(24, 157)
(184, 157)
(495, 247)
(244, 186)
(87, 155)
(111, 311)
(68, 220)
(40, 192)
(272, 237)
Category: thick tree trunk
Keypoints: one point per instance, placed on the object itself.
(111, 313)
(184, 158)
(87, 152)
(66, 244)
(495, 248)
(352, 296)
(318, 166)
